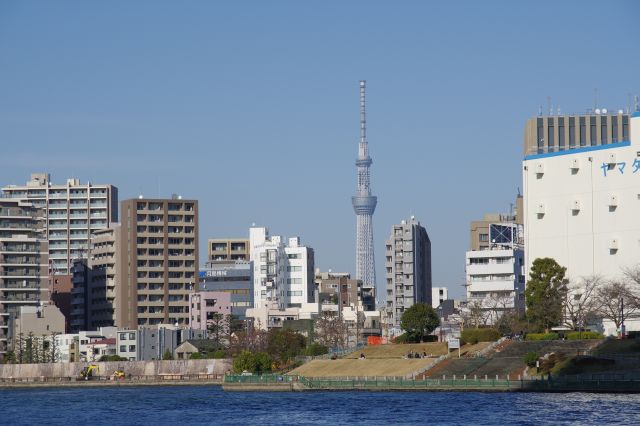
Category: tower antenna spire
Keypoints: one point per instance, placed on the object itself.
(364, 204)
(363, 112)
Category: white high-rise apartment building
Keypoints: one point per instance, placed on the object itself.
(283, 274)
(582, 198)
(72, 212)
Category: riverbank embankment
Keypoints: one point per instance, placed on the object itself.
(136, 373)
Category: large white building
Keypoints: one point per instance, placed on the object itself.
(283, 275)
(582, 193)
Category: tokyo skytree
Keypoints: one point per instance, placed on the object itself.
(364, 204)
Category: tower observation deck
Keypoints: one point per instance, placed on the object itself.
(364, 204)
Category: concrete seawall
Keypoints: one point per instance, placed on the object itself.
(134, 368)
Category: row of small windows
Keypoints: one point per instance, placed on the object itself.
(578, 131)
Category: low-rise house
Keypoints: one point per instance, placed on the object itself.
(67, 347)
(189, 347)
(103, 347)
(151, 343)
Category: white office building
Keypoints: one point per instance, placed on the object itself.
(283, 275)
(582, 198)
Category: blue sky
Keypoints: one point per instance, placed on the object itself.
(252, 106)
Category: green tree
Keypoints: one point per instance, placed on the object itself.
(111, 358)
(9, 358)
(546, 290)
(418, 321)
(257, 363)
(167, 356)
(285, 344)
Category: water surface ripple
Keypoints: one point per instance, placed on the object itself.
(189, 405)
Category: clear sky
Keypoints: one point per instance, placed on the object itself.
(252, 106)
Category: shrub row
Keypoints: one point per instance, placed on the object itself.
(475, 335)
(585, 335)
(542, 336)
(531, 358)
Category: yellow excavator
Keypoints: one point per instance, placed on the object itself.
(118, 374)
(89, 371)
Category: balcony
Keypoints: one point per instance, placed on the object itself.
(20, 299)
(19, 249)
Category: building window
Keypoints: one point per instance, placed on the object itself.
(540, 136)
(561, 134)
(132, 348)
(603, 131)
(593, 137)
(572, 132)
(625, 128)
(550, 140)
(132, 336)
(123, 348)
(614, 129)
(484, 237)
(583, 132)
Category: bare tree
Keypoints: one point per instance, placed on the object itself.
(355, 328)
(252, 339)
(581, 302)
(218, 327)
(331, 330)
(498, 305)
(617, 300)
(475, 315)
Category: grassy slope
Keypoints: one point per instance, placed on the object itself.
(361, 367)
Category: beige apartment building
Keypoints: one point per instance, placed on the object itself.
(159, 258)
(96, 302)
(24, 264)
(72, 212)
(479, 229)
(221, 249)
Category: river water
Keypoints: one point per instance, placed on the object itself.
(186, 405)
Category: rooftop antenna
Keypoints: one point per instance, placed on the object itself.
(549, 105)
(628, 102)
(558, 110)
(637, 103)
(540, 111)
(595, 98)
